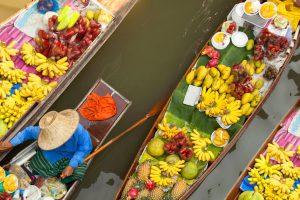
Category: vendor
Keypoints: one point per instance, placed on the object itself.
(63, 143)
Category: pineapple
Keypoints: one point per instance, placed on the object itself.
(156, 194)
(144, 171)
(143, 194)
(128, 186)
(178, 189)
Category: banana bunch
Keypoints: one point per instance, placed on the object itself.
(13, 108)
(53, 68)
(281, 185)
(206, 99)
(232, 113)
(5, 87)
(202, 153)
(158, 178)
(171, 169)
(218, 106)
(36, 89)
(281, 155)
(198, 140)
(167, 131)
(6, 51)
(270, 194)
(256, 178)
(9, 73)
(266, 168)
(31, 57)
(290, 170)
(293, 196)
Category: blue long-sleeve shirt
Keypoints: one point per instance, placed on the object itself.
(76, 148)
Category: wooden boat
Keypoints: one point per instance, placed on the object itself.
(38, 109)
(98, 130)
(235, 191)
(232, 141)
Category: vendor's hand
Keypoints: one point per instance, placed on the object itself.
(4, 146)
(68, 171)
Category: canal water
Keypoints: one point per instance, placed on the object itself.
(144, 59)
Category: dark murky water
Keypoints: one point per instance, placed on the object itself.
(143, 60)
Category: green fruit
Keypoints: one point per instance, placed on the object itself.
(259, 84)
(190, 170)
(3, 128)
(63, 13)
(250, 195)
(156, 147)
(146, 156)
(257, 63)
(250, 44)
(73, 19)
(172, 158)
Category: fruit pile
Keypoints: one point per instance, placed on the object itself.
(274, 175)
(269, 45)
(67, 38)
(228, 92)
(171, 162)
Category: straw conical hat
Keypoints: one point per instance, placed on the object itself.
(57, 128)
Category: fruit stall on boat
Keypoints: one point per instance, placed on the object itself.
(43, 48)
(274, 172)
(18, 180)
(213, 104)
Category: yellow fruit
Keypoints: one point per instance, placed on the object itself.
(259, 84)
(245, 108)
(216, 84)
(221, 67)
(225, 73)
(249, 112)
(207, 81)
(190, 77)
(201, 73)
(197, 83)
(96, 15)
(214, 72)
(230, 80)
(260, 69)
(246, 98)
(250, 45)
(255, 100)
(244, 62)
(223, 88)
(90, 14)
(255, 92)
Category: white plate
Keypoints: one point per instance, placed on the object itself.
(239, 39)
(212, 138)
(222, 45)
(256, 5)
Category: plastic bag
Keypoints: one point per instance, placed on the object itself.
(52, 187)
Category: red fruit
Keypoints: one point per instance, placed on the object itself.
(133, 193)
(150, 185)
(185, 153)
(212, 63)
(170, 147)
(94, 24)
(215, 55)
(207, 50)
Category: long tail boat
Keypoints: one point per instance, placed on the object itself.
(98, 130)
(185, 130)
(116, 10)
(282, 136)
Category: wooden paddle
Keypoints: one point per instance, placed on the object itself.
(154, 111)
